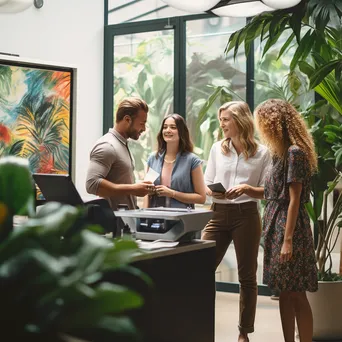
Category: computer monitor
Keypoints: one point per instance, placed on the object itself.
(58, 187)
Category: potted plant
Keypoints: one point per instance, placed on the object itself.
(326, 303)
(314, 29)
(51, 270)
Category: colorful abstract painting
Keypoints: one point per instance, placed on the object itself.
(35, 114)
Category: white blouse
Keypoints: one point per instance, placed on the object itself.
(233, 169)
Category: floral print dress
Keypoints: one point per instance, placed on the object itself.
(300, 272)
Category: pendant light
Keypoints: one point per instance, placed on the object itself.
(14, 6)
(281, 4)
(232, 8)
(193, 6)
(238, 8)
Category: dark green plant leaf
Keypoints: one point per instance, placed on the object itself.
(321, 73)
(103, 331)
(16, 194)
(286, 45)
(303, 49)
(203, 112)
(108, 299)
(295, 23)
(311, 211)
(338, 155)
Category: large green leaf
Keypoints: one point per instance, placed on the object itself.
(285, 47)
(103, 331)
(323, 72)
(303, 49)
(203, 112)
(52, 293)
(16, 185)
(311, 211)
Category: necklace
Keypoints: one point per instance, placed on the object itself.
(169, 162)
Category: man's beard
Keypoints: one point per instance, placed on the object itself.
(134, 134)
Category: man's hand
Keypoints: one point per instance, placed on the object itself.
(236, 191)
(142, 189)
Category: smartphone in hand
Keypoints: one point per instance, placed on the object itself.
(217, 187)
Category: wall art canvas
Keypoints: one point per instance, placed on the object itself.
(36, 115)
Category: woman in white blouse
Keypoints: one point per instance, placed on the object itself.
(240, 164)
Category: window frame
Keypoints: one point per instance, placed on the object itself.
(179, 27)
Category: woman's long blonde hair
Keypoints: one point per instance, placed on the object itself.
(243, 118)
(280, 126)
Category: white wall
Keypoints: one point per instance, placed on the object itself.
(66, 32)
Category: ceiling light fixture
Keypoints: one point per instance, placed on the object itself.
(281, 4)
(236, 8)
(193, 6)
(232, 8)
(14, 6)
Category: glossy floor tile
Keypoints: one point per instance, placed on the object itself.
(267, 322)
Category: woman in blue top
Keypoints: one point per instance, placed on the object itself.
(181, 181)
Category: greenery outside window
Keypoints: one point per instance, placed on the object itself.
(144, 67)
(207, 68)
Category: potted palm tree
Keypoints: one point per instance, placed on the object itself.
(52, 266)
(326, 304)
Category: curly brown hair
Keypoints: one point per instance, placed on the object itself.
(280, 126)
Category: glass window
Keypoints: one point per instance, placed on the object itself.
(144, 67)
(208, 68)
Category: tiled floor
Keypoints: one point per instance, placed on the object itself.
(267, 321)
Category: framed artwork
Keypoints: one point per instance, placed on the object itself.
(36, 115)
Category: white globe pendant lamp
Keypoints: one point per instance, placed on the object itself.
(193, 6)
(281, 4)
(14, 6)
(232, 8)
(242, 9)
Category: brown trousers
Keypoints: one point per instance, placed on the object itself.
(241, 224)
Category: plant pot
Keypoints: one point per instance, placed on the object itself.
(326, 305)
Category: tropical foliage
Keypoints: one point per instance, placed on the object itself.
(313, 29)
(54, 267)
(144, 77)
(203, 77)
(35, 116)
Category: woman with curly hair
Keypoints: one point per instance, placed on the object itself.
(289, 259)
(240, 164)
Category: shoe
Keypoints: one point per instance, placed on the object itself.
(246, 338)
(275, 297)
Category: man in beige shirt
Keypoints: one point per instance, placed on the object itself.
(110, 173)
